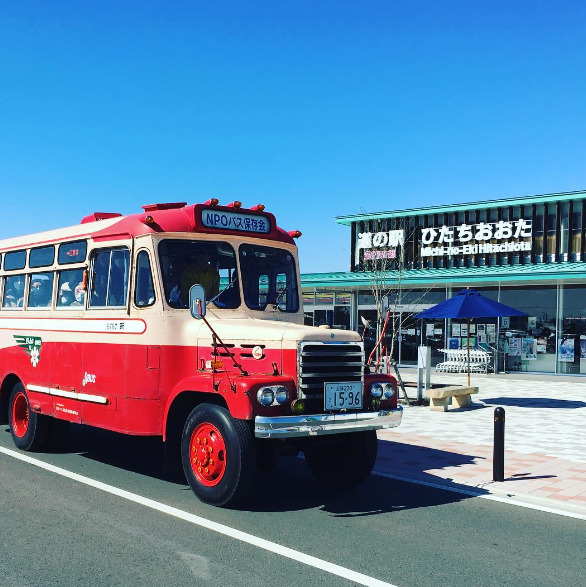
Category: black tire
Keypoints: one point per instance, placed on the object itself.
(343, 461)
(225, 480)
(29, 429)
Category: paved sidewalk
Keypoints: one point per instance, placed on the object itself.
(545, 439)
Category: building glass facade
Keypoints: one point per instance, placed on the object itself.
(527, 253)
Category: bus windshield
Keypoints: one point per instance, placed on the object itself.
(269, 278)
(211, 264)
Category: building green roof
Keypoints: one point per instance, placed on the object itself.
(523, 200)
(546, 272)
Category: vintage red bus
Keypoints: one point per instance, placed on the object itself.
(184, 322)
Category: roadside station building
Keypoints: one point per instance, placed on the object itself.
(527, 252)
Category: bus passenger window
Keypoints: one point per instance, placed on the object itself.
(40, 290)
(109, 285)
(144, 290)
(13, 292)
(71, 293)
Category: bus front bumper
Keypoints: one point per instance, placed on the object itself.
(321, 424)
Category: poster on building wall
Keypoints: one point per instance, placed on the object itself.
(531, 322)
(463, 330)
(506, 322)
(529, 349)
(582, 348)
(541, 345)
(455, 330)
(438, 331)
(481, 329)
(566, 350)
(514, 347)
(429, 330)
(472, 328)
(453, 343)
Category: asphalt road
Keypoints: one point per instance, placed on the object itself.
(59, 531)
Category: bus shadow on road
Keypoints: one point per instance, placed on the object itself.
(289, 486)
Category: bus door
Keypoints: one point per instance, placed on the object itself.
(105, 353)
(67, 373)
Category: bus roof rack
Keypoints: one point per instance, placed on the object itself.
(99, 216)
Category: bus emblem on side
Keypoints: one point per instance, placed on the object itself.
(32, 347)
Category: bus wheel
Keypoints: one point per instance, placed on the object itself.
(343, 461)
(28, 429)
(218, 457)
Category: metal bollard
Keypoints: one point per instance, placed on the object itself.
(498, 455)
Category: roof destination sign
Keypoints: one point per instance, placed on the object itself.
(224, 220)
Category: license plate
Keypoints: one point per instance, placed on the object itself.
(342, 396)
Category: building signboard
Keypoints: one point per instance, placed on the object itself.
(476, 239)
(379, 245)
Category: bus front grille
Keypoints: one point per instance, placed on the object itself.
(320, 363)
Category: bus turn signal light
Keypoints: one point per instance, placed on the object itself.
(295, 233)
(258, 208)
(212, 202)
(235, 204)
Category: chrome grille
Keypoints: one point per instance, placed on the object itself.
(320, 363)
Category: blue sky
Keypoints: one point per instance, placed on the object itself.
(314, 108)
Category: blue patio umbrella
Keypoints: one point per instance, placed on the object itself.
(468, 304)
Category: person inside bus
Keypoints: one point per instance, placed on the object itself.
(40, 293)
(66, 295)
(202, 272)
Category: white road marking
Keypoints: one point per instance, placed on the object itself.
(267, 545)
(488, 496)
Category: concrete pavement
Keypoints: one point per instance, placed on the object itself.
(545, 439)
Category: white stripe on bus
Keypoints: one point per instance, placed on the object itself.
(82, 397)
(98, 325)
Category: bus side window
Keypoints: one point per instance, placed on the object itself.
(109, 283)
(144, 290)
(40, 290)
(70, 290)
(13, 292)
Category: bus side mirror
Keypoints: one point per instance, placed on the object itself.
(197, 301)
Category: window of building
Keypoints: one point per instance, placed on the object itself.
(576, 240)
(571, 338)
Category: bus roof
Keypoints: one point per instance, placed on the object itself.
(207, 218)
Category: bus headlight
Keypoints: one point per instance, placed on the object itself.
(389, 390)
(265, 396)
(281, 394)
(376, 390)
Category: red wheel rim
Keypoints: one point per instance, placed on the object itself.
(207, 454)
(20, 414)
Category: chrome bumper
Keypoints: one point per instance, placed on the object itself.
(320, 424)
